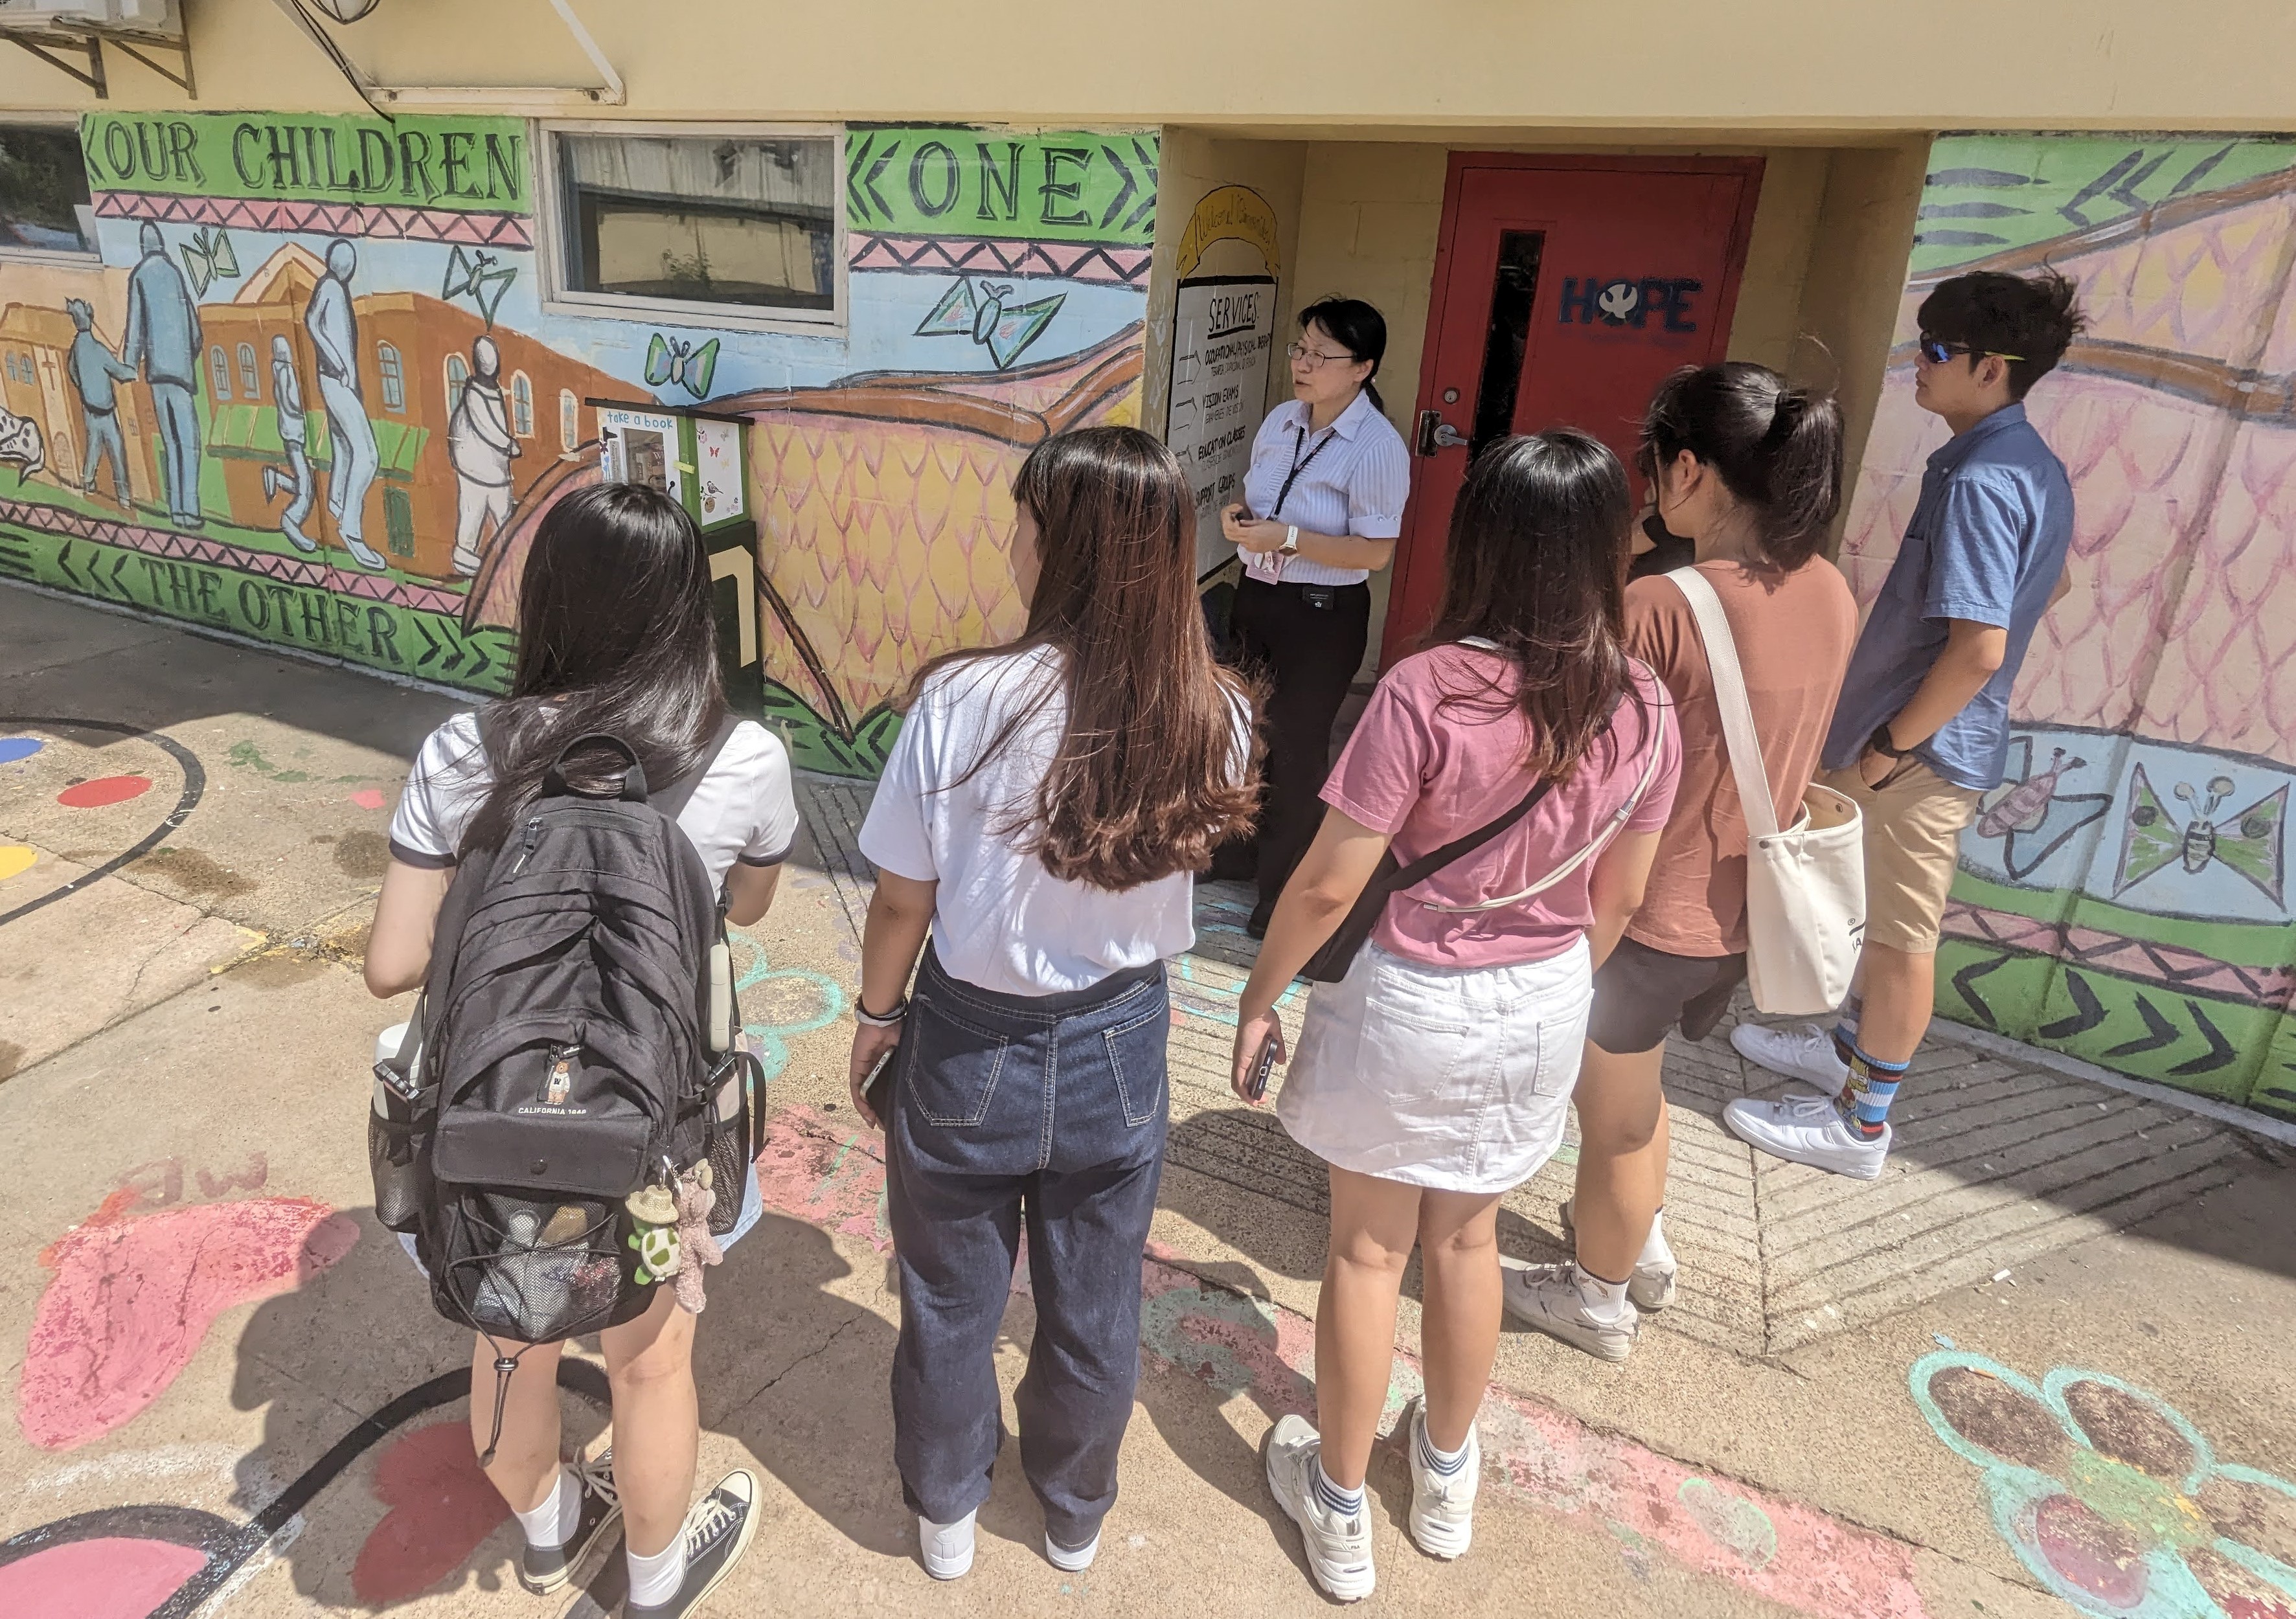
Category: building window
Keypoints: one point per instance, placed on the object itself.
(19, 369)
(44, 206)
(394, 377)
(741, 223)
(249, 386)
(458, 372)
(219, 367)
(569, 420)
(522, 405)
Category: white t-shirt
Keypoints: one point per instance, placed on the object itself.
(1000, 919)
(743, 810)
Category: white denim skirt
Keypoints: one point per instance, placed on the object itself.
(1456, 1079)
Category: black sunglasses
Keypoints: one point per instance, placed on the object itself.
(1937, 351)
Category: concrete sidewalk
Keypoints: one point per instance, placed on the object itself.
(230, 1388)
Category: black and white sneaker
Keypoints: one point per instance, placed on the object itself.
(543, 1569)
(717, 1530)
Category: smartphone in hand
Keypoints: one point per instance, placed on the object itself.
(1255, 1087)
(877, 1089)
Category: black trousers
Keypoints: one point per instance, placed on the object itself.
(1306, 641)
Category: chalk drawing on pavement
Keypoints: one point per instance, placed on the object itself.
(2111, 1498)
(136, 1286)
(195, 786)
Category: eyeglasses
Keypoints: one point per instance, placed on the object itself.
(1305, 355)
(1937, 351)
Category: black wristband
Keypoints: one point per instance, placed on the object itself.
(880, 1020)
(1881, 742)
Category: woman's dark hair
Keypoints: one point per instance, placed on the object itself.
(1536, 566)
(1779, 449)
(1147, 779)
(614, 636)
(1357, 327)
(2034, 317)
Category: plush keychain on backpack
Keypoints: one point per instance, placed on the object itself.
(653, 1221)
(697, 1248)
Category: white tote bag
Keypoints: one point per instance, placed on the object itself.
(1805, 884)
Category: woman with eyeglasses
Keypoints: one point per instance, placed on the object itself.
(1322, 505)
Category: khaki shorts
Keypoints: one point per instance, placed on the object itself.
(1914, 822)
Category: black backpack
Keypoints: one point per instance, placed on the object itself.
(575, 1036)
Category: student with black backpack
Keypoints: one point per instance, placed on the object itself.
(577, 1125)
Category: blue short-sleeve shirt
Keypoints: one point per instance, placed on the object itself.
(1986, 543)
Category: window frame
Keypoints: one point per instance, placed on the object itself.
(519, 396)
(391, 375)
(80, 260)
(569, 421)
(221, 376)
(250, 373)
(560, 297)
(453, 362)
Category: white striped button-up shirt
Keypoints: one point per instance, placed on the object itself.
(1355, 484)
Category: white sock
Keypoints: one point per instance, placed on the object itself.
(1655, 1249)
(552, 1523)
(1604, 1300)
(655, 1580)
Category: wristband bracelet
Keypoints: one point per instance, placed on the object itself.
(880, 1020)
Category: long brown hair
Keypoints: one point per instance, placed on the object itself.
(1536, 566)
(1148, 778)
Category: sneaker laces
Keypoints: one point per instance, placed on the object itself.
(598, 1477)
(716, 1514)
(1810, 1040)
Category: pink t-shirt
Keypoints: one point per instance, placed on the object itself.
(1426, 771)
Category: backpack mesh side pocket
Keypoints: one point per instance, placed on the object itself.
(536, 1269)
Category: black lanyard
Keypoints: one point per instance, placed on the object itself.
(1299, 465)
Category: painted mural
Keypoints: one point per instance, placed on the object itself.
(2123, 896)
(316, 393)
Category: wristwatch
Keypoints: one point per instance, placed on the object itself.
(1291, 546)
(1881, 743)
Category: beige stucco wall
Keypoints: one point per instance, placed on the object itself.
(1783, 66)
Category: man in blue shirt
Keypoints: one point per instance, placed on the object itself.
(163, 337)
(1923, 727)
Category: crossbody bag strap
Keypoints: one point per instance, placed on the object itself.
(1594, 845)
(1743, 747)
(1420, 870)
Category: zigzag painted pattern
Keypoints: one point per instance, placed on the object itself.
(1072, 261)
(486, 230)
(216, 554)
(2168, 965)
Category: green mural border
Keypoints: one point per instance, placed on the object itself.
(474, 163)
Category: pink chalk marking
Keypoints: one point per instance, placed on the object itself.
(103, 791)
(112, 1578)
(133, 1295)
(829, 1173)
(442, 1508)
(368, 797)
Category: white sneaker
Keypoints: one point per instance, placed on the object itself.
(1808, 1129)
(1548, 1297)
(947, 1547)
(1442, 1508)
(1071, 1559)
(1651, 1285)
(1339, 1548)
(1805, 1053)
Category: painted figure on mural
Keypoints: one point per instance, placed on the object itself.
(351, 435)
(294, 433)
(480, 445)
(164, 339)
(94, 370)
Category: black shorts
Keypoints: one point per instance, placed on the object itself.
(1640, 994)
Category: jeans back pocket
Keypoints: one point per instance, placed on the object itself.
(1136, 1057)
(952, 1078)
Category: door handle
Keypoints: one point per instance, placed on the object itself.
(1436, 434)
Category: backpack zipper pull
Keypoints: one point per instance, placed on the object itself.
(533, 836)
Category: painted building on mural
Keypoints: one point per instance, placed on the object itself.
(279, 365)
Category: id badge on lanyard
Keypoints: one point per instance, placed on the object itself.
(1298, 464)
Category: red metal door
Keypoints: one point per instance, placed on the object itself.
(1565, 289)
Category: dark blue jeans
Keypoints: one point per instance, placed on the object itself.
(1007, 1109)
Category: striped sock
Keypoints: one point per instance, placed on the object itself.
(1444, 1464)
(1845, 1027)
(1864, 1101)
(1338, 1503)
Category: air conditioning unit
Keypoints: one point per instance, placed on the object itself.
(105, 16)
